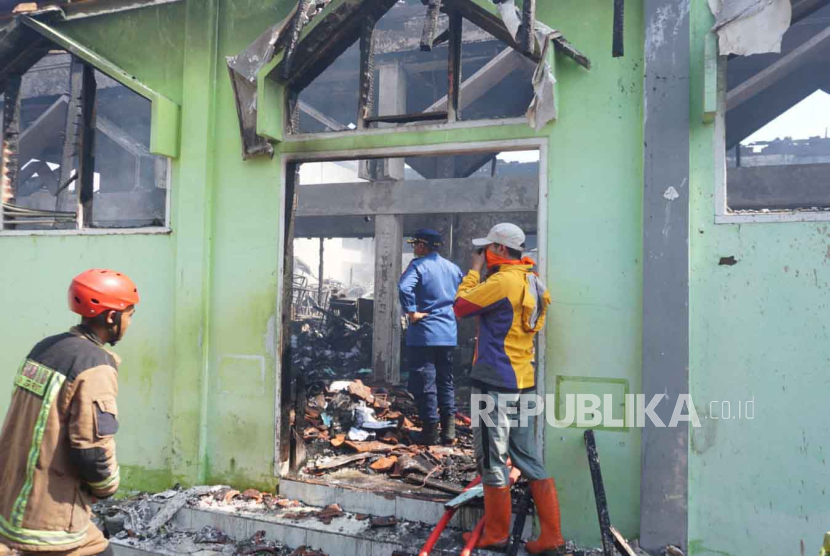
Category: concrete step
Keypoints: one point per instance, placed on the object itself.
(368, 495)
(343, 536)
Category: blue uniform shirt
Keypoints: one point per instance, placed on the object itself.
(429, 285)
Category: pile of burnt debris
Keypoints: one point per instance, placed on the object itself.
(347, 423)
(145, 521)
(327, 350)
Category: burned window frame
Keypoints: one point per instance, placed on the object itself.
(723, 213)
(291, 54)
(457, 13)
(28, 40)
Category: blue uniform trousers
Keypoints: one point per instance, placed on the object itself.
(431, 380)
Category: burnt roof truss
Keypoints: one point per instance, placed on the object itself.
(291, 54)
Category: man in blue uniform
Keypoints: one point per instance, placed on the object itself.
(427, 292)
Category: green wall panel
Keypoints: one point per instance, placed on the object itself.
(759, 331)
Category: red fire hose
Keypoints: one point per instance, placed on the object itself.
(442, 524)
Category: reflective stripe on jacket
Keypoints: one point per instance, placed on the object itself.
(57, 442)
(511, 306)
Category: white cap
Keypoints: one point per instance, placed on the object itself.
(505, 234)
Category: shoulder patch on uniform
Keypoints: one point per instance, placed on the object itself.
(70, 355)
(33, 377)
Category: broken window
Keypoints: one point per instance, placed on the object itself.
(777, 121)
(76, 151)
(408, 84)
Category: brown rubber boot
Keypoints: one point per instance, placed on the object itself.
(497, 511)
(547, 507)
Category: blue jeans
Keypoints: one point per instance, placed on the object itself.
(431, 380)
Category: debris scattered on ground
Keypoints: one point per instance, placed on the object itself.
(386, 521)
(370, 427)
(257, 505)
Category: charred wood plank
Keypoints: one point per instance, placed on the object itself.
(292, 178)
(599, 494)
(329, 38)
(298, 452)
(527, 33)
(622, 545)
(454, 65)
(86, 154)
(441, 38)
(341, 461)
(367, 72)
(407, 118)
(430, 24)
(423, 481)
(293, 100)
(294, 37)
(617, 49)
(72, 129)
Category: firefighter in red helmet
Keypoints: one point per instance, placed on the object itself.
(57, 445)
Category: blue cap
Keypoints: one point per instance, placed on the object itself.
(430, 237)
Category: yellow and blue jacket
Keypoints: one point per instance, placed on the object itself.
(511, 306)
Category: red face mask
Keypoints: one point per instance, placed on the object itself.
(494, 260)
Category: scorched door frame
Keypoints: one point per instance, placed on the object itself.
(287, 159)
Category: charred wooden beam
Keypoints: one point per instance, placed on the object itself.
(408, 118)
(292, 178)
(454, 64)
(294, 37)
(617, 48)
(622, 545)
(804, 8)
(812, 50)
(441, 38)
(367, 72)
(298, 452)
(293, 106)
(527, 33)
(72, 130)
(330, 123)
(10, 170)
(329, 38)
(430, 24)
(599, 494)
(86, 154)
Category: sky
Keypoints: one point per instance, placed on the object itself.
(808, 118)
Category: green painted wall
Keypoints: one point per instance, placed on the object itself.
(199, 370)
(37, 273)
(759, 330)
(595, 251)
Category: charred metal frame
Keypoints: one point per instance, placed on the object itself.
(527, 34)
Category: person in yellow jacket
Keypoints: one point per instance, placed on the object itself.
(57, 445)
(510, 306)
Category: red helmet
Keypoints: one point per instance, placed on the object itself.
(97, 290)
